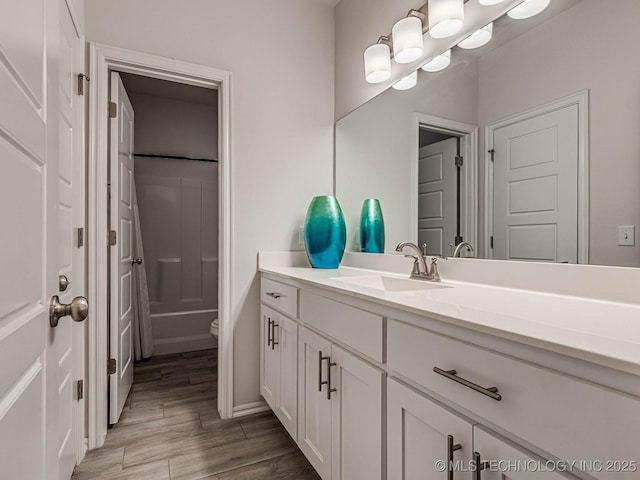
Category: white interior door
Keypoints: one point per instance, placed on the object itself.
(29, 381)
(535, 185)
(437, 196)
(121, 218)
(68, 348)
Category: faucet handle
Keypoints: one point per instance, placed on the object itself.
(435, 276)
(416, 269)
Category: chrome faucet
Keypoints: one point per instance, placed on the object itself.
(460, 246)
(420, 270)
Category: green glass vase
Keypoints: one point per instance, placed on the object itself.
(371, 227)
(325, 233)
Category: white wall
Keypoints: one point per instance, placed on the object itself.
(281, 54)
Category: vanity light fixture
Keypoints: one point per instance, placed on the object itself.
(438, 63)
(407, 39)
(446, 17)
(528, 8)
(490, 2)
(377, 61)
(478, 38)
(407, 82)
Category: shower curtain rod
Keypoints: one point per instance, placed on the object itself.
(177, 157)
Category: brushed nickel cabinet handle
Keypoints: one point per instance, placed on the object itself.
(273, 335)
(268, 332)
(329, 389)
(451, 447)
(274, 295)
(320, 381)
(479, 465)
(491, 392)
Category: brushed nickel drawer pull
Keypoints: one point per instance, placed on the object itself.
(329, 389)
(269, 332)
(274, 295)
(491, 392)
(451, 447)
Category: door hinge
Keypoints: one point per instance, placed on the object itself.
(81, 78)
(113, 110)
(80, 389)
(80, 237)
(459, 161)
(113, 238)
(111, 366)
(492, 152)
(491, 241)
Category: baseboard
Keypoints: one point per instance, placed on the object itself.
(167, 346)
(249, 409)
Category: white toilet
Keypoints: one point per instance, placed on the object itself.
(214, 328)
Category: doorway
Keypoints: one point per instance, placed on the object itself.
(104, 61)
(445, 169)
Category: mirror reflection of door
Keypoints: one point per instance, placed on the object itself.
(437, 191)
(535, 181)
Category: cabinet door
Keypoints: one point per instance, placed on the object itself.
(417, 437)
(356, 418)
(286, 338)
(269, 359)
(508, 462)
(314, 414)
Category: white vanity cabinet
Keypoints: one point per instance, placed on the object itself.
(424, 439)
(279, 363)
(340, 410)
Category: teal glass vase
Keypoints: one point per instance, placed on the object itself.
(325, 233)
(371, 227)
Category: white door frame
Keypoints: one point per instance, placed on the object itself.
(581, 99)
(104, 58)
(469, 172)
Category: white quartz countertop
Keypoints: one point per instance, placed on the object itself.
(605, 333)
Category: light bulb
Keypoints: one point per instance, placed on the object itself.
(438, 63)
(377, 63)
(446, 17)
(478, 38)
(490, 2)
(407, 40)
(407, 82)
(528, 8)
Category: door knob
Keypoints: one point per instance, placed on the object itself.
(77, 309)
(63, 283)
(136, 261)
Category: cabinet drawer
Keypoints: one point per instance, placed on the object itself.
(546, 409)
(356, 328)
(279, 296)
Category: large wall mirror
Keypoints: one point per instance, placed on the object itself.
(528, 147)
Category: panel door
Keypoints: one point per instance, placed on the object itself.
(286, 338)
(437, 196)
(509, 462)
(69, 335)
(356, 418)
(314, 414)
(535, 182)
(269, 359)
(417, 437)
(121, 221)
(28, 257)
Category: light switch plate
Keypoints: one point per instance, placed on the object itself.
(627, 235)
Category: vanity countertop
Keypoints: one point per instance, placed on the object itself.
(601, 332)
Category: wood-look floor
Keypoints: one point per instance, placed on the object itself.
(170, 429)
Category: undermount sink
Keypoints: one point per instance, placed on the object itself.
(390, 284)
